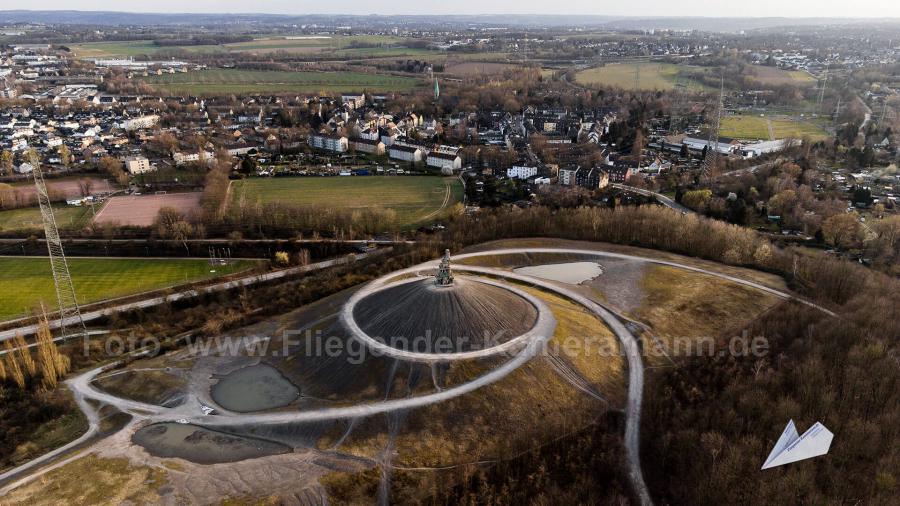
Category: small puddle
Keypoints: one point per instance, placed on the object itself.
(570, 272)
(255, 388)
(203, 446)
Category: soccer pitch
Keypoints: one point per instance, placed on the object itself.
(414, 198)
(27, 281)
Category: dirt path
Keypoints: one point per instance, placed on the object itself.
(448, 192)
(771, 129)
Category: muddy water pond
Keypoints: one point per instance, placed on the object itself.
(569, 272)
(258, 387)
(203, 446)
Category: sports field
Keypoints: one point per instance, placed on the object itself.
(785, 127)
(27, 282)
(142, 210)
(414, 198)
(777, 127)
(29, 218)
(745, 127)
(233, 81)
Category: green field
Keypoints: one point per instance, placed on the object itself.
(27, 281)
(30, 218)
(651, 76)
(662, 76)
(231, 81)
(414, 198)
(744, 127)
(798, 129)
(774, 76)
(757, 127)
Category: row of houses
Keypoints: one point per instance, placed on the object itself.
(442, 157)
(593, 178)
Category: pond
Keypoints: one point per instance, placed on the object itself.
(255, 388)
(203, 446)
(569, 272)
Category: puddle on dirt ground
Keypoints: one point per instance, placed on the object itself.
(255, 388)
(203, 446)
(569, 272)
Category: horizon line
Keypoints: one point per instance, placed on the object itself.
(483, 14)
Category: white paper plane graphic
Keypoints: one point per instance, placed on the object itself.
(792, 447)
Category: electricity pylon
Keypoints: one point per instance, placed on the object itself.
(679, 95)
(65, 290)
(712, 145)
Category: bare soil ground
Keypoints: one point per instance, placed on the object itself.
(23, 193)
(141, 210)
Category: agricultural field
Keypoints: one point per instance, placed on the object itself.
(414, 198)
(29, 218)
(773, 76)
(231, 81)
(141, 210)
(651, 76)
(125, 49)
(662, 76)
(27, 281)
(478, 68)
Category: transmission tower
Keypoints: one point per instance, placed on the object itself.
(712, 150)
(822, 92)
(679, 95)
(637, 76)
(65, 290)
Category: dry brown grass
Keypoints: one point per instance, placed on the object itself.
(685, 305)
(91, 481)
(764, 278)
(588, 345)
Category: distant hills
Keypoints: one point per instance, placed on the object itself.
(721, 24)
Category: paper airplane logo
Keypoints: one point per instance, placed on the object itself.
(792, 447)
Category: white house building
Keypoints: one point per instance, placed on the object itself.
(335, 143)
(138, 165)
(373, 147)
(443, 160)
(521, 172)
(406, 153)
(183, 158)
(140, 122)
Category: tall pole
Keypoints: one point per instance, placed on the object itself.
(712, 151)
(69, 312)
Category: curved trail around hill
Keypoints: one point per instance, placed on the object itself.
(533, 346)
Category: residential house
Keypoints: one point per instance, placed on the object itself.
(138, 165)
(444, 160)
(406, 153)
(521, 172)
(335, 143)
(370, 146)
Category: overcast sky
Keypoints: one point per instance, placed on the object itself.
(642, 8)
